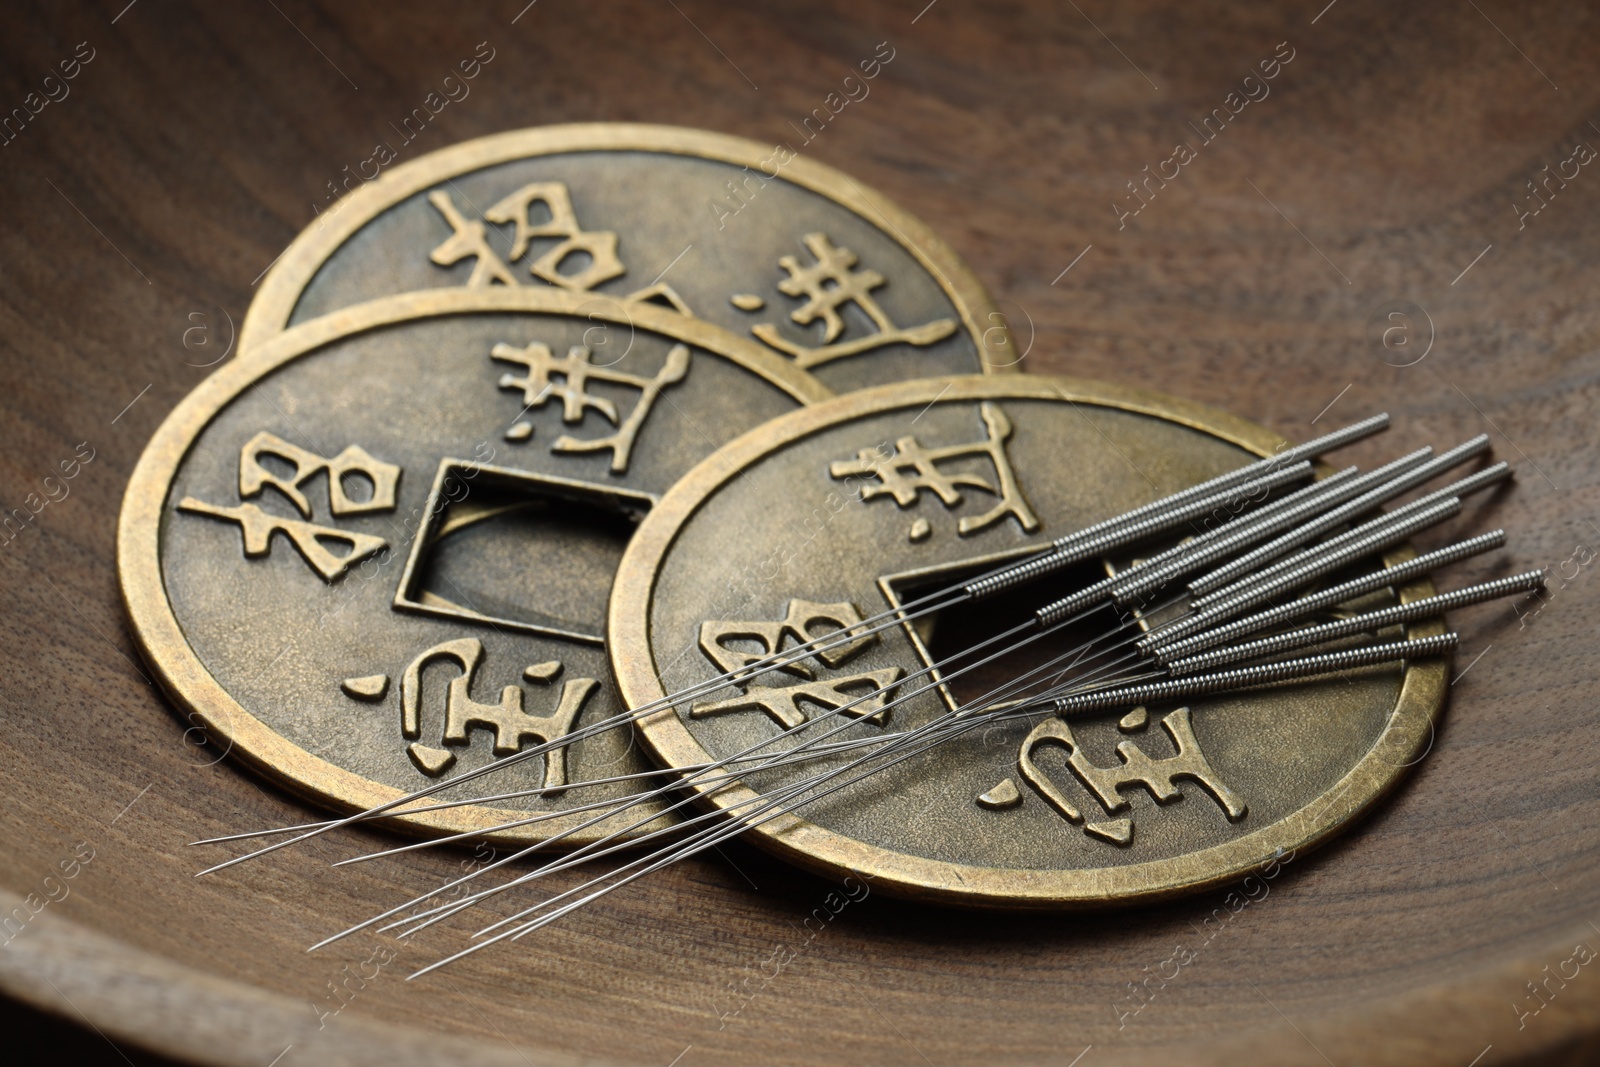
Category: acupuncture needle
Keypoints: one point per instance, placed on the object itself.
(710, 840)
(1387, 576)
(1316, 499)
(453, 907)
(569, 811)
(1407, 481)
(845, 635)
(1382, 533)
(941, 665)
(957, 594)
(672, 787)
(661, 859)
(853, 703)
(1368, 653)
(588, 854)
(1013, 684)
(1279, 671)
(1424, 646)
(842, 636)
(517, 794)
(783, 758)
(1460, 489)
(1395, 575)
(1364, 622)
(492, 798)
(620, 804)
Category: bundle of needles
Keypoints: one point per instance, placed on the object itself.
(1234, 606)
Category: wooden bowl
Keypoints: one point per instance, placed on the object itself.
(1382, 171)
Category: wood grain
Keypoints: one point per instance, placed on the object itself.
(1385, 161)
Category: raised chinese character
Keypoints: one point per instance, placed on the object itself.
(511, 725)
(912, 468)
(310, 539)
(354, 460)
(468, 237)
(828, 284)
(568, 378)
(258, 527)
(578, 261)
(600, 245)
(861, 695)
(1160, 777)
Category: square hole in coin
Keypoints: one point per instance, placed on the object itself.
(942, 636)
(519, 550)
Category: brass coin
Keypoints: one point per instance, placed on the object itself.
(840, 511)
(375, 552)
(798, 257)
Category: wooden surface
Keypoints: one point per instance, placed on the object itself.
(1386, 160)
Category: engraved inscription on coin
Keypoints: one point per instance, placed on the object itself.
(838, 513)
(375, 552)
(814, 266)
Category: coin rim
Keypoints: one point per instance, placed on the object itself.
(288, 277)
(1421, 699)
(157, 631)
